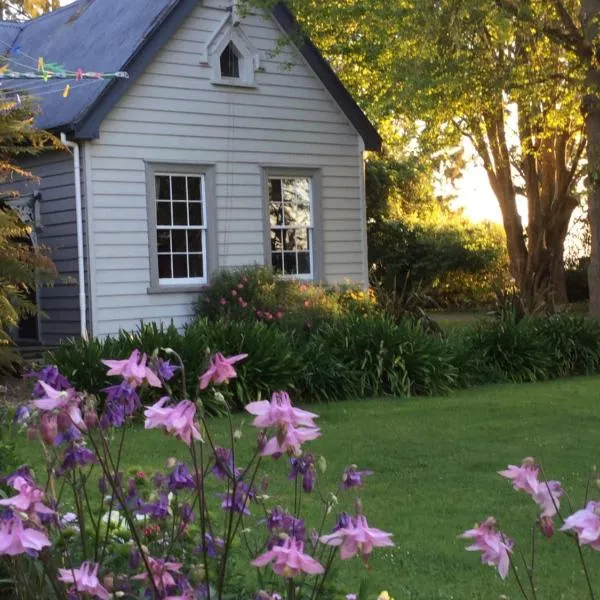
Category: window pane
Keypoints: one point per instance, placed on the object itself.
(276, 240)
(275, 190)
(163, 189)
(290, 239)
(164, 266)
(304, 263)
(296, 191)
(295, 239)
(289, 263)
(179, 188)
(180, 213)
(297, 214)
(180, 270)
(194, 240)
(163, 240)
(195, 213)
(196, 266)
(277, 263)
(275, 213)
(194, 192)
(163, 213)
(179, 240)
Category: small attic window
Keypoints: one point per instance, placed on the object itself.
(230, 62)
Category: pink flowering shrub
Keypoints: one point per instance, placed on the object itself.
(170, 536)
(498, 549)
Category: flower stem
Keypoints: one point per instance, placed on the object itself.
(514, 570)
(585, 570)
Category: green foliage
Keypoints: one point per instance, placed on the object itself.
(354, 356)
(255, 293)
(22, 267)
(455, 262)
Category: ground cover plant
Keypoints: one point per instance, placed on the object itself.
(434, 469)
(354, 354)
(170, 536)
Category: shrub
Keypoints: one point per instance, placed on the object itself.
(255, 293)
(390, 358)
(275, 366)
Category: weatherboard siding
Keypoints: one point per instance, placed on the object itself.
(55, 180)
(174, 114)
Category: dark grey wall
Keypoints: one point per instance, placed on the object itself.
(58, 231)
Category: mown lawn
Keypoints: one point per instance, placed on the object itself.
(435, 461)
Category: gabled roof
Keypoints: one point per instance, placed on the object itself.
(125, 35)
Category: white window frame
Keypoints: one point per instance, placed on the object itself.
(314, 228)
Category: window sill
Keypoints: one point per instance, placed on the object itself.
(234, 83)
(176, 289)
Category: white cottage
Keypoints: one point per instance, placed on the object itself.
(221, 149)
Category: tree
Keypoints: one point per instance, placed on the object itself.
(22, 266)
(26, 9)
(575, 26)
(460, 68)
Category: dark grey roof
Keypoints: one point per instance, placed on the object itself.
(114, 35)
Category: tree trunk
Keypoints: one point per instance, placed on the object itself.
(590, 13)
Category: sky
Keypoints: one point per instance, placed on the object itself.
(473, 191)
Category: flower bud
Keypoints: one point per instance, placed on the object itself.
(91, 419)
(171, 462)
(48, 428)
(109, 582)
(546, 525)
(63, 420)
(262, 440)
(134, 559)
(32, 434)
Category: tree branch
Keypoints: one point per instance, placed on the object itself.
(572, 40)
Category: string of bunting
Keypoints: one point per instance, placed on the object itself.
(44, 72)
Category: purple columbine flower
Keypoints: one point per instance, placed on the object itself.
(282, 525)
(135, 559)
(186, 512)
(180, 479)
(121, 402)
(239, 502)
(352, 478)
(158, 510)
(165, 369)
(24, 472)
(214, 546)
(305, 466)
(52, 377)
(76, 456)
(223, 467)
(160, 480)
(70, 434)
(344, 521)
(22, 414)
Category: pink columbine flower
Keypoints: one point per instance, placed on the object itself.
(178, 420)
(493, 545)
(548, 497)
(586, 524)
(85, 580)
(358, 538)
(134, 370)
(289, 441)
(525, 477)
(66, 402)
(289, 560)
(279, 412)
(28, 499)
(161, 573)
(16, 539)
(220, 369)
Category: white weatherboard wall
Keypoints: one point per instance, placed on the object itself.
(173, 113)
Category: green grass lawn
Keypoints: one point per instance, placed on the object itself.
(435, 461)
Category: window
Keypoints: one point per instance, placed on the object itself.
(180, 211)
(291, 209)
(230, 62)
